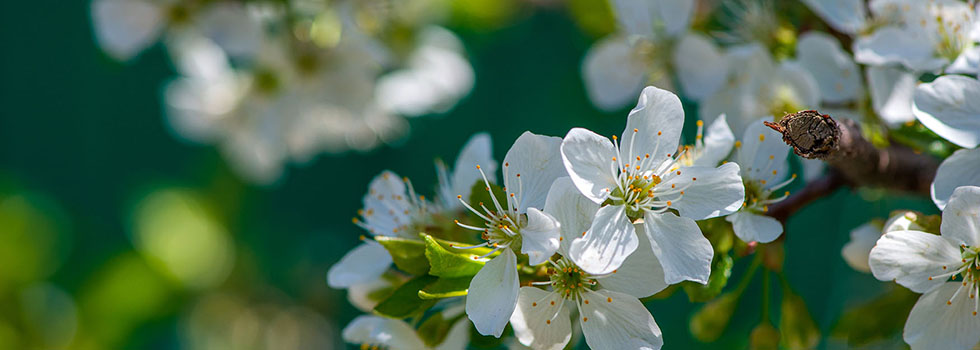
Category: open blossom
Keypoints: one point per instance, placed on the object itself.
(921, 36)
(641, 178)
(652, 34)
(609, 311)
(945, 268)
(950, 107)
(392, 208)
(762, 155)
(518, 226)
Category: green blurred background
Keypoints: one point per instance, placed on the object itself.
(114, 234)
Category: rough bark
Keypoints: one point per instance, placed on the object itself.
(841, 145)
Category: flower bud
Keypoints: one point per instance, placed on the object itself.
(764, 337)
(710, 322)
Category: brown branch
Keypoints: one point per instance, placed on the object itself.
(842, 146)
(816, 189)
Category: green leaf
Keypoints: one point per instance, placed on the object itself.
(878, 319)
(434, 329)
(408, 254)
(708, 324)
(796, 327)
(721, 270)
(404, 301)
(446, 287)
(449, 263)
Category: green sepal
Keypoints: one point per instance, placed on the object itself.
(796, 327)
(434, 329)
(445, 261)
(408, 254)
(404, 301)
(721, 270)
(446, 287)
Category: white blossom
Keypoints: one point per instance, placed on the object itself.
(642, 178)
(945, 268)
(950, 107)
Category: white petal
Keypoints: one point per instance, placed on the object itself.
(458, 337)
(530, 166)
(933, 324)
(365, 296)
(124, 28)
(362, 264)
(960, 169)
(389, 333)
(794, 83)
(683, 251)
(950, 106)
(653, 126)
(540, 321)
(608, 242)
(572, 209)
(750, 227)
(890, 45)
(833, 69)
(614, 320)
(588, 159)
(644, 17)
(493, 294)
(961, 218)
(968, 62)
(891, 93)
(718, 143)
(763, 152)
(232, 27)
(702, 68)
(613, 73)
(857, 250)
(477, 151)
(911, 257)
(641, 274)
(540, 236)
(846, 16)
(709, 191)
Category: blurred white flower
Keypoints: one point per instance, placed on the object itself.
(373, 332)
(835, 72)
(945, 268)
(921, 35)
(437, 76)
(891, 93)
(761, 88)
(653, 36)
(950, 107)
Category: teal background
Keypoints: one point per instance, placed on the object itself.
(88, 133)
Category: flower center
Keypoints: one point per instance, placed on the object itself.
(395, 214)
(569, 281)
(502, 227)
(640, 180)
(967, 274)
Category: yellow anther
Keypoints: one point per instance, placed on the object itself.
(738, 144)
(608, 299)
(762, 182)
(659, 133)
(636, 130)
(700, 123)
(615, 138)
(762, 137)
(477, 166)
(534, 304)
(586, 300)
(585, 319)
(669, 203)
(774, 172)
(547, 321)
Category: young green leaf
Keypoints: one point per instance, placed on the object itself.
(448, 262)
(408, 254)
(404, 301)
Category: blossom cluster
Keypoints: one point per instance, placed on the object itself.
(581, 229)
(274, 82)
